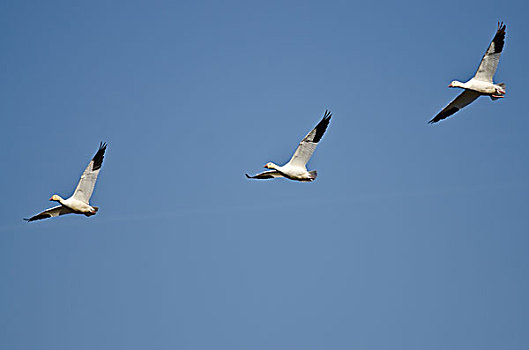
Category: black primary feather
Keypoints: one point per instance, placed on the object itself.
(98, 158)
(322, 126)
(499, 38)
(443, 114)
(38, 217)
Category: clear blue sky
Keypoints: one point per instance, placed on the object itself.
(414, 236)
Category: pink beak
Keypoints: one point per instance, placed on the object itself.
(51, 198)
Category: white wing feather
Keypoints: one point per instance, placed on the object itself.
(464, 99)
(489, 62)
(308, 144)
(50, 213)
(86, 184)
(270, 174)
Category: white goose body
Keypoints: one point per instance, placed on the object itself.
(291, 172)
(77, 206)
(483, 87)
(296, 169)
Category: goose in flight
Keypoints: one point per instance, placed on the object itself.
(78, 203)
(295, 169)
(481, 83)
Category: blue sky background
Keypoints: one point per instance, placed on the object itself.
(414, 236)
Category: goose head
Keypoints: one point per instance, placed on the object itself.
(270, 165)
(455, 83)
(55, 198)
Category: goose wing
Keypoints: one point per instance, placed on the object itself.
(86, 184)
(490, 60)
(465, 98)
(308, 144)
(50, 213)
(270, 174)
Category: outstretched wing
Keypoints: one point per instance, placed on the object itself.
(86, 184)
(465, 98)
(308, 144)
(490, 60)
(270, 174)
(50, 213)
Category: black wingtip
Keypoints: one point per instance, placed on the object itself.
(98, 158)
(322, 126)
(443, 115)
(327, 114)
(499, 38)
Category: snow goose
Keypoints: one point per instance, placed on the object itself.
(78, 203)
(481, 83)
(295, 169)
